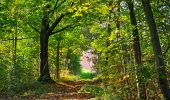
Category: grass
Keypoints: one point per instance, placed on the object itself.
(83, 74)
(86, 74)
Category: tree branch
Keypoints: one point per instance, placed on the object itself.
(33, 27)
(18, 38)
(59, 4)
(56, 22)
(56, 7)
(60, 30)
(166, 50)
(64, 28)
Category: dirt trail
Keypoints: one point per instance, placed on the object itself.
(68, 90)
(64, 90)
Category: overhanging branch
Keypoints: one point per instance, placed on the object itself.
(60, 30)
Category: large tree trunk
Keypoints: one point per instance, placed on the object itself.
(44, 36)
(136, 47)
(162, 79)
(44, 67)
(46, 31)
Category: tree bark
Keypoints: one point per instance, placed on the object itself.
(160, 65)
(136, 47)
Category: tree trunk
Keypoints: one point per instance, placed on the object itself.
(136, 47)
(117, 22)
(58, 59)
(45, 33)
(15, 73)
(15, 69)
(68, 58)
(44, 67)
(44, 36)
(162, 79)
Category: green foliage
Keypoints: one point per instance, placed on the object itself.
(93, 24)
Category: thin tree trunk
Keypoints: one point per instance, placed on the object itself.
(160, 65)
(136, 47)
(67, 64)
(58, 59)
(118, 22)
(15, 49)
(15, 67)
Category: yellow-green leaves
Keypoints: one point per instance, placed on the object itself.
(82, 38)
(103, 9)
(112, 35)
(94, 28)
(13, 11)
(85, 9)
(77, 14)
(123, 33)
(123, 18)
(99, 45)
(72, 9)
(80, 10)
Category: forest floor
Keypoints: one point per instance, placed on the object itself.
(63, 90)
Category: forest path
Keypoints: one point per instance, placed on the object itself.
(67, 90)
(62, 90)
